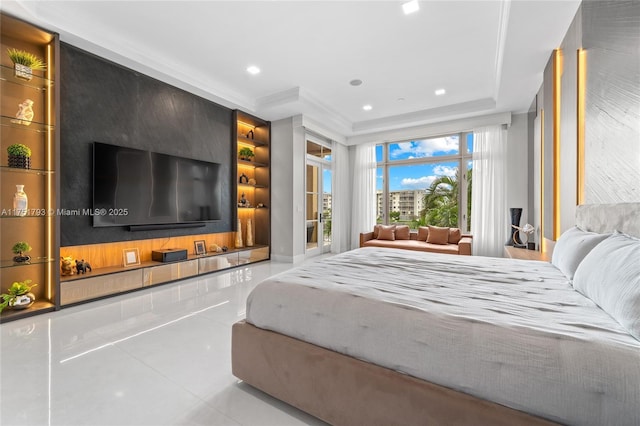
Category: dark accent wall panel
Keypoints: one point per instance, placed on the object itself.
(105, 102)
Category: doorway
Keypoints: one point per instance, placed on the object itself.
(319, 180)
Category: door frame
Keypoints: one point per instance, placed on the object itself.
(322, 165)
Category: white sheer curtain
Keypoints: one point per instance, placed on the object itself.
(489, 214)
(341, 201)
(363, 207)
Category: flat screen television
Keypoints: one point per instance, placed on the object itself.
(137, 187)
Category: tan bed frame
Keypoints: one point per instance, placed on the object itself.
(342, 390)
(345, 391)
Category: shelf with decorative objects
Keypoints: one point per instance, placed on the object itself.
(253, 170)
(29, 185)
(33, 261)
(8, 75)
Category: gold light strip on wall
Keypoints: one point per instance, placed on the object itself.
(50, 186)
(557, 98)
(246, 124)
(543, 245)
(581, 92)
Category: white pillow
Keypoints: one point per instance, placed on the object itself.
(572, 246)
(610, 276)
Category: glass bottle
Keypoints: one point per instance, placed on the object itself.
(20, 201)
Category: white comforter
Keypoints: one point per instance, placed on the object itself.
(514, 332)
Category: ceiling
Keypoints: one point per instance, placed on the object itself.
(489, 56)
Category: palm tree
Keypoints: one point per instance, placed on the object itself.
(441, 202)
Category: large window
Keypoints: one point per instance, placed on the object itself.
(425, 182)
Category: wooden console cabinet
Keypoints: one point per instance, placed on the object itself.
(524, 254)
(105, 282)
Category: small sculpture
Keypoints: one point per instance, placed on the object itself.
(25, 113)
(243, 201)
(243, 178)
(66, 266)
(215, 248)
(252, 181)
(224, 248)
(82, 266)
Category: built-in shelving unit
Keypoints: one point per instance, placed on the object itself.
(255, 134)
(39, 227)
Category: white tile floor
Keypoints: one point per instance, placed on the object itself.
(160, 356)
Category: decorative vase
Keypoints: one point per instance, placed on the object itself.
(22, 301)
(516, 213)
(239, 235)
(22, 71)
(249, 233)
(20, 201)
(19, 161)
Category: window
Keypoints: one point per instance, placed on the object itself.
(419, 182)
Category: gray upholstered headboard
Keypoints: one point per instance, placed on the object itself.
(624, 217)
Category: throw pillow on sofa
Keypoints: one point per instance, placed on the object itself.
(376, 231)
(403, 232)
(387, 232)
(455, 235)
(423, 233)
(438, 235)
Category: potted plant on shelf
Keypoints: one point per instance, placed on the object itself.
(246, 154)
(18, 296)
(24, 63)
(19, 156)
(19, 249)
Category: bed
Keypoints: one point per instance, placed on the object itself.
(384, 336)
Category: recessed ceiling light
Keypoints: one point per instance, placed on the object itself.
(410, 7)
(355, 82)
(252, 69)
(400, 99)
(367, 107)
(440, 92)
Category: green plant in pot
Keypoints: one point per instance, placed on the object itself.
(19, 249)
(24, 63)
(19, 156)
(18, 296)
(246, 154)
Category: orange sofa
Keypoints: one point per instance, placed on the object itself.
(428, 238)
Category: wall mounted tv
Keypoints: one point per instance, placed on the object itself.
(148, 190)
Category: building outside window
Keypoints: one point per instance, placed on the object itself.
(425, 181)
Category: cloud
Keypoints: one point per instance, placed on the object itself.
(425, 182)
(425, 148)
(445, 171)
(419, 183)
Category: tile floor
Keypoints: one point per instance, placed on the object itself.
(160, 356)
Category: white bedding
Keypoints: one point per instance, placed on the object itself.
(510, 331)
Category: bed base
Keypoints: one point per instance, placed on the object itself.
(342, 390)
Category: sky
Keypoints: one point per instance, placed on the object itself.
(420, 176)
(417, 176)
